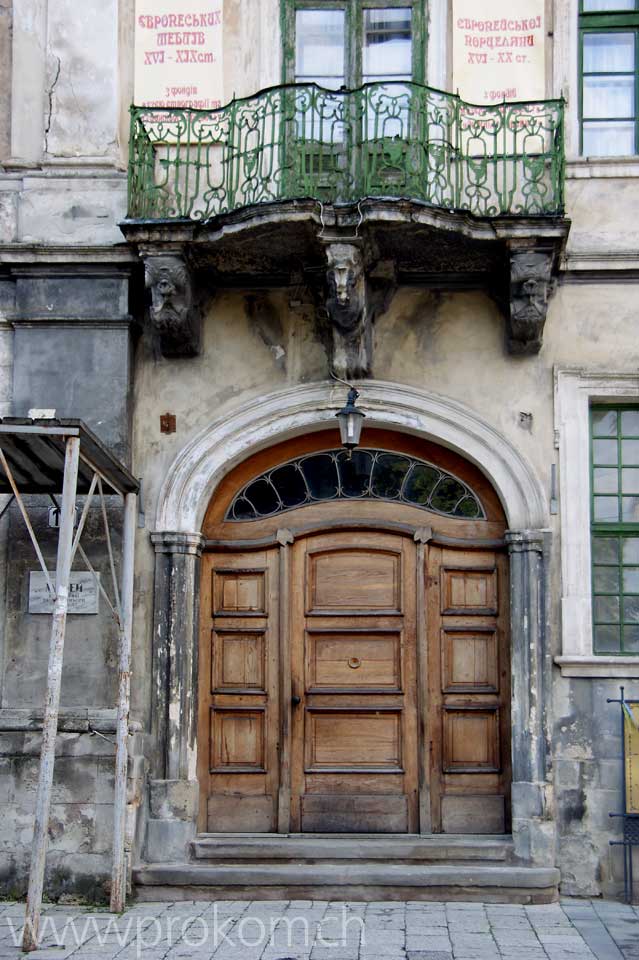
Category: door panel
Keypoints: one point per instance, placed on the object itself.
(352, 739)
(353, 580)
(238, 692)
(468, 689)
(351, 601)
(338, 660)
(354, 752)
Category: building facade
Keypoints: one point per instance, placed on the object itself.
(415, 644)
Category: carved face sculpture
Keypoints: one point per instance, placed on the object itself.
(167, 278)
(530, 288)
(345, 277)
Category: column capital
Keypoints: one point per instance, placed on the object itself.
(190, 544)
(525, 541)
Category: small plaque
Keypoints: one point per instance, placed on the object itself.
(83, 593)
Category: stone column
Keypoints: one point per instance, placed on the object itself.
(174, 790)
(533, 823)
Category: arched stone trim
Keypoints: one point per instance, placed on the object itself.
(182, 505)
(200, 466)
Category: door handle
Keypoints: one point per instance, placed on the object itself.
(296, 701)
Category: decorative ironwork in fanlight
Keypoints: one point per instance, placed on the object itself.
(367, 475)
(386, 139)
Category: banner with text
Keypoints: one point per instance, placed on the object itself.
(498, 53)
(179, 53)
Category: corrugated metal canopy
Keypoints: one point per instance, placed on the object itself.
(34, 450)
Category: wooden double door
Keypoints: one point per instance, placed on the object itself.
(354, 682)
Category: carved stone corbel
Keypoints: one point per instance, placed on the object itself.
(173, 312)
(354, 296)
(531, 286)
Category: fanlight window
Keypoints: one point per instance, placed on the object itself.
(369, 475)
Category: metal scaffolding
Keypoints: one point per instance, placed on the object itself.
(64, 458)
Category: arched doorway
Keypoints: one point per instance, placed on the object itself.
(354, 665)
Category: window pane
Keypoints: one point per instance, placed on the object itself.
(607, 639)
(604, 451)
(592, 6)
(388, 475)
(630, 579)
(604, 423)
(355, 474)
(319, 36)
(630, 609)
(606, 579)
(605, 550)
(630, 451)
(421, 484)
(609, 52)
(609, 97)
(606, 480)
(608, 139)
(468, 508)
(631, 550)
(630, 423)
(289, 483)
(387, 44)
(630, 480)
(630, 509)
(263, 497)
(606, 609)
(606, 509)
(321, 476)
(447, 495)
(243, 510)
(631, 639)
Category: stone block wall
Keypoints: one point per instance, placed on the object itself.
(81, 824)
(588, 784)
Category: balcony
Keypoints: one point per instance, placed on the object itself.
(399, 140)
(441, 189)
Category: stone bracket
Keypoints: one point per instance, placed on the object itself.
(531, 284)
(356, 290)
(174, 314)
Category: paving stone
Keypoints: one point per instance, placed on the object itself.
(428, 955)
(573, 930)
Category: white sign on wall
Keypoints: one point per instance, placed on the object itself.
(83, 593)
(179, 53)
(499, 50)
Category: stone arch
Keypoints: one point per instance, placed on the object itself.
(265, 420)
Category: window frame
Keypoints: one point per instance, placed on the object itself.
(354, 34)
(622, 21)
(608, 529)
(576, 390)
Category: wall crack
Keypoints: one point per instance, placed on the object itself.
(50, 93)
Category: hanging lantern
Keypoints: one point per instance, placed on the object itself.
(350, 421)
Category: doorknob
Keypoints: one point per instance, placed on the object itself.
(296, 701)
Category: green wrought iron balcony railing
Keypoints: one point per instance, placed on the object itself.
(391, 140)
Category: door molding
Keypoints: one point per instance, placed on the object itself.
(384, 526)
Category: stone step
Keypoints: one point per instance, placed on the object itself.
(273, 847)
(362, 880)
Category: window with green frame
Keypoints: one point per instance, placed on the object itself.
(609, 82)
(345, 43)
(614, 456)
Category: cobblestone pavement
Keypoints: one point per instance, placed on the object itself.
(305, 930)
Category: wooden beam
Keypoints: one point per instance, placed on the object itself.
(52, 702)
(118, 877)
